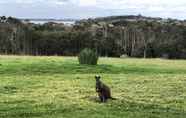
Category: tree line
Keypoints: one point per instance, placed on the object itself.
(133, 36)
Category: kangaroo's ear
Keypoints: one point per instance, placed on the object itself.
(97, 77)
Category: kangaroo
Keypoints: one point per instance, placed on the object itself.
(103, 90)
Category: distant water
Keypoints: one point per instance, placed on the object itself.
(55, 21)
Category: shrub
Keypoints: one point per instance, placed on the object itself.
(124, 56)
(88, 56)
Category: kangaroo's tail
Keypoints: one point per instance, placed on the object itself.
(113, 98)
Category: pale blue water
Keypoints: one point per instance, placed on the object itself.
(45, 21)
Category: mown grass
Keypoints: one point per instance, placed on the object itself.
(58, 87)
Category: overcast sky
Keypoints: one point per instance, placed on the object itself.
(92, 8)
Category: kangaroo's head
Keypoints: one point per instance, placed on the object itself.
(97, 77)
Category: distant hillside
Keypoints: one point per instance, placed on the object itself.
(136, 18)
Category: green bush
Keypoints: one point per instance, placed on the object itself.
(88, 56)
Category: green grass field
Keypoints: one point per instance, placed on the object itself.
(58, 87)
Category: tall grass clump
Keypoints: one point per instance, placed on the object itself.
(88, 56)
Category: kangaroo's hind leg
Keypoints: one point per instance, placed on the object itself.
(102, 97)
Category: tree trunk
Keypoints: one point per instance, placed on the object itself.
(145, 52)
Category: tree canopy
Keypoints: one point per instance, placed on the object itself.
(135, 36)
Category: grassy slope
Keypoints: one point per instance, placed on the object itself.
(58, 87)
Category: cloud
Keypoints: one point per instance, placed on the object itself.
(33, 1)
(87, 2)
(89, 8)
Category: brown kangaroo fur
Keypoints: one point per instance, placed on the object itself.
(103, 90)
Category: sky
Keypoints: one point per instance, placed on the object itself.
(78, 9)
